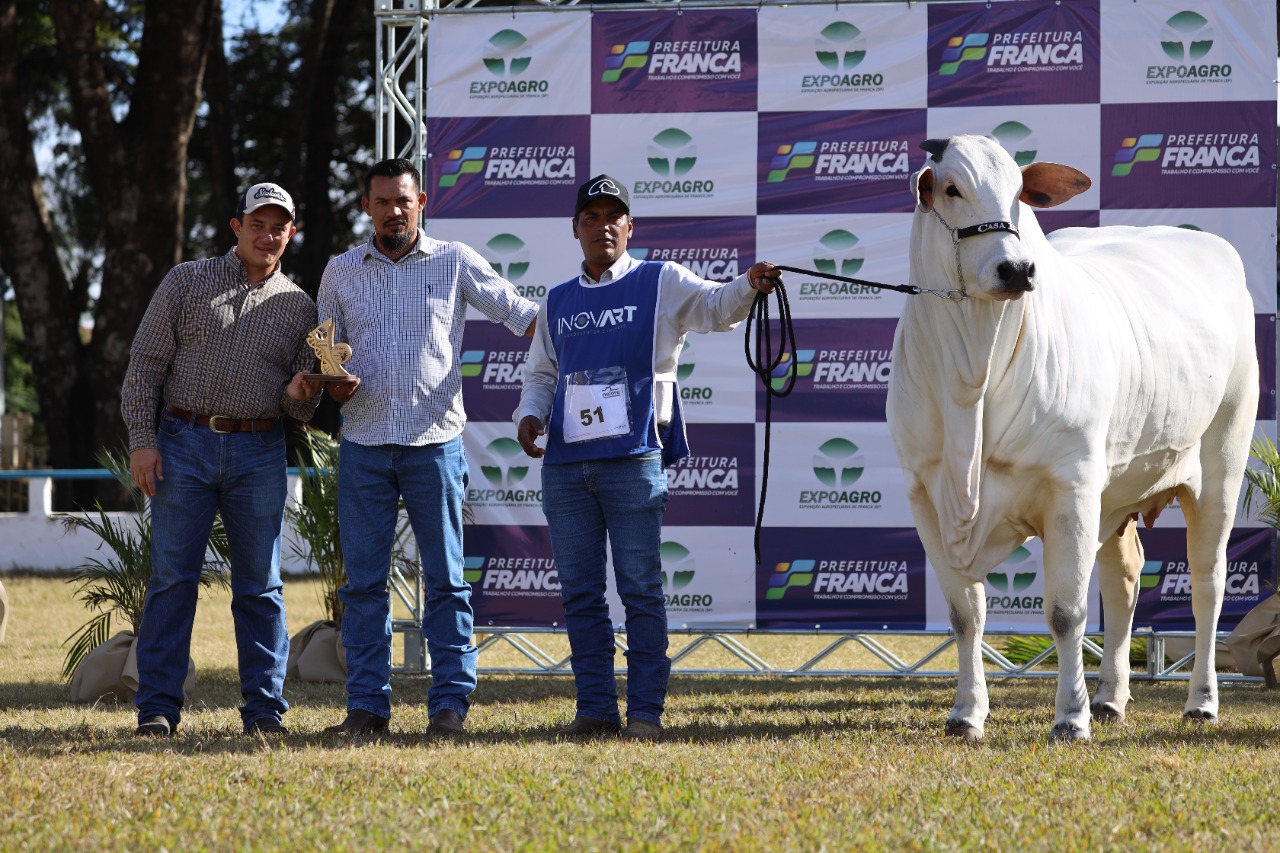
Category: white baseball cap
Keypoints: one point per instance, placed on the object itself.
(260, 195)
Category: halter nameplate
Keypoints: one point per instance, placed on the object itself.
(987, 228)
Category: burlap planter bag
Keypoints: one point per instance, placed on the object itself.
(1255, 642)
(111, 672)
(4, 611)
(316, 654)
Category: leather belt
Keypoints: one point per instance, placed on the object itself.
(224, 424)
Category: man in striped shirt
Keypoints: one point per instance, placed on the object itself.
(400, 301)
(220, 354)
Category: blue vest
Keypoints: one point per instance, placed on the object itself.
(604, 344)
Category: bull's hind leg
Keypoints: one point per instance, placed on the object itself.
(1119, 565)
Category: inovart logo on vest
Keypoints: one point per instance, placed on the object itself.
(1013, 52)
(837, 466)
(840, 48)
(594, 322)
(841, 160)
(1007, 582)
(678, 571)
(497, 370)
(1172, 580)
(511, 165)
(1186, 39)
(838, 252)
(1019, 140)
(510, 258)
(503, 469)
(691, 393)
(1189, 154)
(506, 57)
(530, 577)
(671, 156)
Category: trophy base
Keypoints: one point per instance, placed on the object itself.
(327, 377)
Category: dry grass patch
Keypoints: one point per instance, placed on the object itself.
(750, 763)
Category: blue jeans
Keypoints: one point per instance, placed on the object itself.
(623, 499)
(432, 479)
(242, 476)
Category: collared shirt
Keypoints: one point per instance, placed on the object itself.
(686, 303)
(404, 321)
(213, 344)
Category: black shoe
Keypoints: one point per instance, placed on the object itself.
(589, 727)
(642, 730)
(157, 726)
(266, 726)
(359, 722)
(446, 722)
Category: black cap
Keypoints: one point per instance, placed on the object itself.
(602, 185)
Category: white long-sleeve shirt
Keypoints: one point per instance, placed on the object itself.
(686, 303)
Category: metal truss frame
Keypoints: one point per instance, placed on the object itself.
(401, 131)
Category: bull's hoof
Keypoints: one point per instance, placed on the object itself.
(1068, 733)
(961, 729)
(1198, 716)
(1106, 714)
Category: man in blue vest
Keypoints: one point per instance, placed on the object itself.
(600, 383)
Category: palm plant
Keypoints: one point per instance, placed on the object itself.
(1262, 485)
(315, 518)
(118, 584)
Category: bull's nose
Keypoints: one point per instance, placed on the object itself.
(1017, 276)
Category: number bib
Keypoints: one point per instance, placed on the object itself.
(596, 405)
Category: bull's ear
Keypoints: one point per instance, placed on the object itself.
(922, 186)
(1051, 184)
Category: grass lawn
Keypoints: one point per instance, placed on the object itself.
(749, 763)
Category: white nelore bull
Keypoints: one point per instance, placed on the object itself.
(1085, 379)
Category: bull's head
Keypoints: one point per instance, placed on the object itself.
(972, 188)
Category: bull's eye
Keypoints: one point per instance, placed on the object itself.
(953, 192)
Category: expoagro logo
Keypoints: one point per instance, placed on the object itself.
(671, 155)
(510, 258)
(840, 48)
(503, 468)
(691, 394)
(512, 576)
(1190, 153)
(1008, 581)
(1187, 38)
(506, 58)
(1018, 139)
(1022, 50)
(838, 252)
(678, 570)
(837, 465)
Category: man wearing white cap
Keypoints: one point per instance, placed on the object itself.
(220, 354)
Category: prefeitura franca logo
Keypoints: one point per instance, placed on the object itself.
(462, 161)
(1134, 150)
(798, 155)
(624, 58)
(797, 574)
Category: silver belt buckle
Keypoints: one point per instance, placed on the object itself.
(213, 424)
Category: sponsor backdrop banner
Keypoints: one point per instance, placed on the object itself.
(788, 133)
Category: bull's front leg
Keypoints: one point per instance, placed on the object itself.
(967, 608)
(1070, 544)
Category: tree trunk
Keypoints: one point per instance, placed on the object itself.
(28, 254)
(136, 168)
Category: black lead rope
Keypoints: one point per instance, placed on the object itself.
(901, 288)
(763, 362)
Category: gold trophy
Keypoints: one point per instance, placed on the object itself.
(332, 355)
